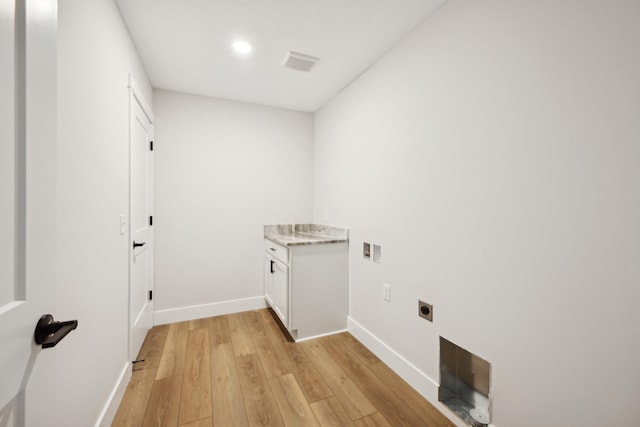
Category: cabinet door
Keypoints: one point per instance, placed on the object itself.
(281, 291)
(269, 279)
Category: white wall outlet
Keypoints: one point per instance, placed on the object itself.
(123, 224)
(386, 289)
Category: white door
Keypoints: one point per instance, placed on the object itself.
(27, 208)
(141, 229)
(281, 291)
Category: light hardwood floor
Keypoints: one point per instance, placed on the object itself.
(240, 370)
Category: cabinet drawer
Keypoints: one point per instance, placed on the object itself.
(277, 250)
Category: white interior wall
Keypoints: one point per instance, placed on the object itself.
(494, 155)
(223, 170)
(95, 57)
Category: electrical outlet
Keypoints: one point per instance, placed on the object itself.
(425, 310)
(386, 292)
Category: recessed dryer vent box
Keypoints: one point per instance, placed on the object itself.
(366, 250)
(464, 382)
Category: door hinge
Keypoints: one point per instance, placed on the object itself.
(150, 295)
(151, 220)
(150, 145)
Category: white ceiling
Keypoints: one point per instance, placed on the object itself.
(185, 45)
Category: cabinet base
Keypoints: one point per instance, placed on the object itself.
(292, 336)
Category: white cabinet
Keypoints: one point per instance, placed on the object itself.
(307, 287)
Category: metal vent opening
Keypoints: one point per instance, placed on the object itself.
(299, 61)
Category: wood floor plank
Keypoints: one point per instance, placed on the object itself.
(418, 404)
(205, 422)
(307, 375)
(151, 350)
(134, 403)
(274, 329)
(252, 319)
(294, 408)
(330, 413)
(219, 330)
(383, 398)
(240, 335)
(374, 420)
(267, 315)
(196, 400)
(164, 403)
(172, 359)
(198, 324)
(270, 354)
(228, 404)
(354, 401)
(258, 398)
(347, 340)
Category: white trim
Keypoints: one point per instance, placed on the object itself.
(112, 404)
(137, 92)
(322, 335)
(417, 379)
(192, 312)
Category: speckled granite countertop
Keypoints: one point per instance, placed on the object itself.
(305, 234)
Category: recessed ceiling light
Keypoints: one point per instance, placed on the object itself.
(241, 46)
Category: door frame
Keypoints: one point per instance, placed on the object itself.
(136, 96)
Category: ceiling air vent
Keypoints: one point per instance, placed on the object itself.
(299, 61)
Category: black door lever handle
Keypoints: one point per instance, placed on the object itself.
(135, 245)
(49, 333)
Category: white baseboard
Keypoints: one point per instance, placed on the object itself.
(110, 409)
(417, 379)
(192, 312)
(321, 335)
